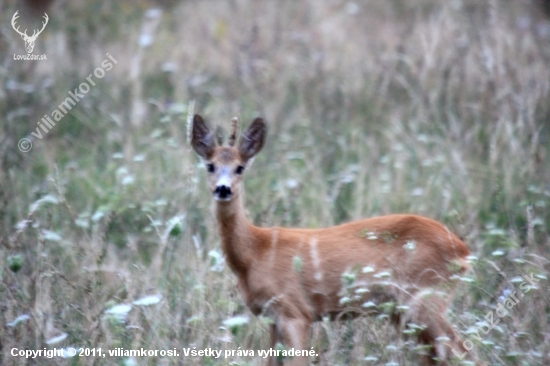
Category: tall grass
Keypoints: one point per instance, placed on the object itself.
(435, 108)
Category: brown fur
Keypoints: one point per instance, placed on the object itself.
(295, 276)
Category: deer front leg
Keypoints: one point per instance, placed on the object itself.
(275, 338)
(292, 333)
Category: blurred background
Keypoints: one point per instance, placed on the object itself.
(107, 237)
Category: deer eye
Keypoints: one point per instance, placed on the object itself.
(239, 170)
(210, 168)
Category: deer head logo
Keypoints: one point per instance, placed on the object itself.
(29, 40)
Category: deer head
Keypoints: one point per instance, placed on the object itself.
(29, 40)
(226, 164)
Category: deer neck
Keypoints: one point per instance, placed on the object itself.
(236, 234)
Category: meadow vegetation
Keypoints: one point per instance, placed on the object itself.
(374, 107)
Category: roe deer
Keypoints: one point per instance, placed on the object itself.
(298, 276)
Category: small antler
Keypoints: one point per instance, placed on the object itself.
(234, 130)
(220, 134)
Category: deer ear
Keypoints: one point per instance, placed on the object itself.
(253, 139)
(202, 139)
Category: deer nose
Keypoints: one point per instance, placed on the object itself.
(223, 192)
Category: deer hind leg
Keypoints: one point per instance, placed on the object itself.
(428, 310)
(291, 333)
